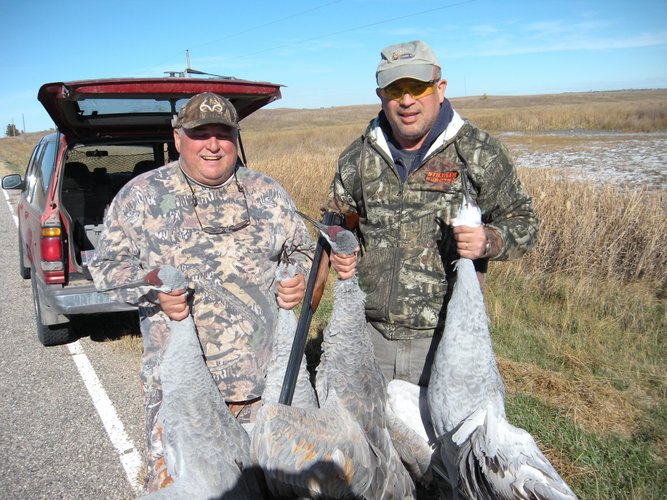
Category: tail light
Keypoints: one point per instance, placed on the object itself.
(51, 247)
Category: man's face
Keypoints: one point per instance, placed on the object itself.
(208, 153)
(412, 118)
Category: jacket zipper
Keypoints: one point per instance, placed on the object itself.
(395, 266)
(396, 259)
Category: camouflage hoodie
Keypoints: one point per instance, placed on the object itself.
(406, 244)
(152, 222)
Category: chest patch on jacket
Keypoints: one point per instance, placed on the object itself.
(446, 177)
(440, 172)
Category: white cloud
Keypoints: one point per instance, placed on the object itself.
(557, 37)
(484, 29)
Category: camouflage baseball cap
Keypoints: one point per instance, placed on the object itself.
(206, 108)
(406, 60)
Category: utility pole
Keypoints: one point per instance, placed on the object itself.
(187, 62)
(23, 117)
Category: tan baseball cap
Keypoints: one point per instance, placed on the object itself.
(206, 108)
(406, 60)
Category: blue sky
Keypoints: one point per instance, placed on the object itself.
(326, 52)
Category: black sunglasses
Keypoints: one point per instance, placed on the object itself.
(221, 229)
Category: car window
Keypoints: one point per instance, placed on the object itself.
(33, 156)
(112, 158)
(47, 163)
(41, 174)
(30, 175)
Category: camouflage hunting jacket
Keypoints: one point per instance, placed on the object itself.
(152, 222)
(407, 247)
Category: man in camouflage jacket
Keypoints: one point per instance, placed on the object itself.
(224, 226)
(404, 178)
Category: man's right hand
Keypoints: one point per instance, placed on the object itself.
(175, 304)
(344, 265)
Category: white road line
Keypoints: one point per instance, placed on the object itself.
(130, 458)
(15, 215)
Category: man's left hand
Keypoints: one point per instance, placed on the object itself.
(290, 291)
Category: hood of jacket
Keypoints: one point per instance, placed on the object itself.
(376, 134)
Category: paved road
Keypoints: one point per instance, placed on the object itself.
(60, 437)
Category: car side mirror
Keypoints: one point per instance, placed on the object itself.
(12, 181)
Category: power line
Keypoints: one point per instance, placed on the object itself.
(354, 28)
(253, 28)
(326, 35)
(291, 16)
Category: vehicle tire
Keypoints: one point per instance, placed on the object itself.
(49, 335)
(24, 271)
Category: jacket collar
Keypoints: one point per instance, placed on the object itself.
(376, 133)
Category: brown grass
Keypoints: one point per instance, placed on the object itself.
(573, 331)
(586, 228)
(627, 111)
(301, 159)
(589, 403)
(600, 230)
(15, 151)
(578, 323)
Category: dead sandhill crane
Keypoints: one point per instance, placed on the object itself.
(343, 449)
(304, 394)
(485, 456)
(206, 449)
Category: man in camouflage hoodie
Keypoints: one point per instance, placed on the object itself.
(224, 226)
(404, 178)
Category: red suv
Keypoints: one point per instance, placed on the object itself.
(108, 132)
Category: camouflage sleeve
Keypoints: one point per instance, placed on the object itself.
(507, 210)
(299, 245)
(288, 226)
(341, 190)
(117, 256)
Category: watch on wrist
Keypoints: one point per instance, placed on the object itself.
(487, 248)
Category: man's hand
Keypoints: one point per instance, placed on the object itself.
(175, 304)
(344, 265)
(470, 241)
(290, 291)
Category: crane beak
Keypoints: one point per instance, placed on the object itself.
(151, 279)
(318, 225)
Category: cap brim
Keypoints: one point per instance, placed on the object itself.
(210, 121)
(421, 72)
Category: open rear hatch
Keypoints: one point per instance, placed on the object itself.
(112, 128)
(126, 107)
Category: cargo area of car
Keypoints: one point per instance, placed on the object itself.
(92, 176)
(108, 132)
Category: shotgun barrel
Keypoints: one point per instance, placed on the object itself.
(307, 310)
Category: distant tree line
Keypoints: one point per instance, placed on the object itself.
(12, 131)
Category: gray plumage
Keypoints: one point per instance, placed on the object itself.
(304, 394)
(206, 449)
(415, 451)
(343, 449)
(485, 456)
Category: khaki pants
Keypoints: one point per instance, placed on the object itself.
(409, 360)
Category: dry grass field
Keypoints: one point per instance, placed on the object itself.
(627, 111)
(579, 325)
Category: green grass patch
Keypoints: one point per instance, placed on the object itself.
(562, 322)
(578, 324)
(583, 360)
(607, 467)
